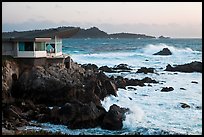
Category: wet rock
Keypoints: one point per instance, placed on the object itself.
(199, 107)
(184, 105)
(149, 80)
(194, 82)
(164, 51)
(120, 82)
(132, 88)
(122, 68)
(111, 88)
(114, 117)
(92, 67)
(130, 98)
(145, 70)
(78, 115)
(167, 89)
(106, 69)
(194, 66)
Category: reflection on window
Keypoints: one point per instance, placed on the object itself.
(26, 46)
(39, 46)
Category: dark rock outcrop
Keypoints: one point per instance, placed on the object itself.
(123, 82)
(77, 115)
(145, 70)
(184, 105)
(167, 89)
(164, 51)
(194, 66)
(113, 119)
(106, 69)
(124, 67)
(74, 91)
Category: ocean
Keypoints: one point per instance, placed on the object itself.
(152, 112)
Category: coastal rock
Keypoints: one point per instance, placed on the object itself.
(145, 70)
(120, 82)
(134, 82)
(122, 68)
(149, 80)
(106, 69)
(78, 115)
(114, 117)
(123, 82)
(92, 67)
(194, 82)
(167, 89)
(164, 51)
(10, 74)
(194, 66)
(184, 105)
(111, 88)
(52, 85)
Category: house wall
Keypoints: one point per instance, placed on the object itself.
(8, 48)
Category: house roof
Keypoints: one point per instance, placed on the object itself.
(61, 32)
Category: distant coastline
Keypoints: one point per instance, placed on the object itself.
(95, 32)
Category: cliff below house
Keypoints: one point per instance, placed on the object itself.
(29, 90)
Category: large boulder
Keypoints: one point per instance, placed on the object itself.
(77, 115)
(164, 51)
(194, 66)
(113, 120)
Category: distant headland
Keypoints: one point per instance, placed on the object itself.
(95, 32)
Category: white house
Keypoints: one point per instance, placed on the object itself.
(36, 44)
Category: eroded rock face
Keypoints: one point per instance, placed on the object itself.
(75, 89)
(114, 117)
(164, 51)
(47, 85)
(10, 74)
(194, 66)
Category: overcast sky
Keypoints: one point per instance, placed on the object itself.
(176, 19)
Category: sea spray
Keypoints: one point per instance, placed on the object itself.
(125, 99)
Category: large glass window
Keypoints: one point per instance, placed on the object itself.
(25, 46)
(39, 46)
(29, 46)
(21, 46)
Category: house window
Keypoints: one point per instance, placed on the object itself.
(39, 46)
(50, 48)
(25, 46)
(21, 46)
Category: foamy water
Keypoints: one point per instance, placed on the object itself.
(151, 111)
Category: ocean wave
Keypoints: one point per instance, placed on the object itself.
(153, 48)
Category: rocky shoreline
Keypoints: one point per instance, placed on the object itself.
(67, 96)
